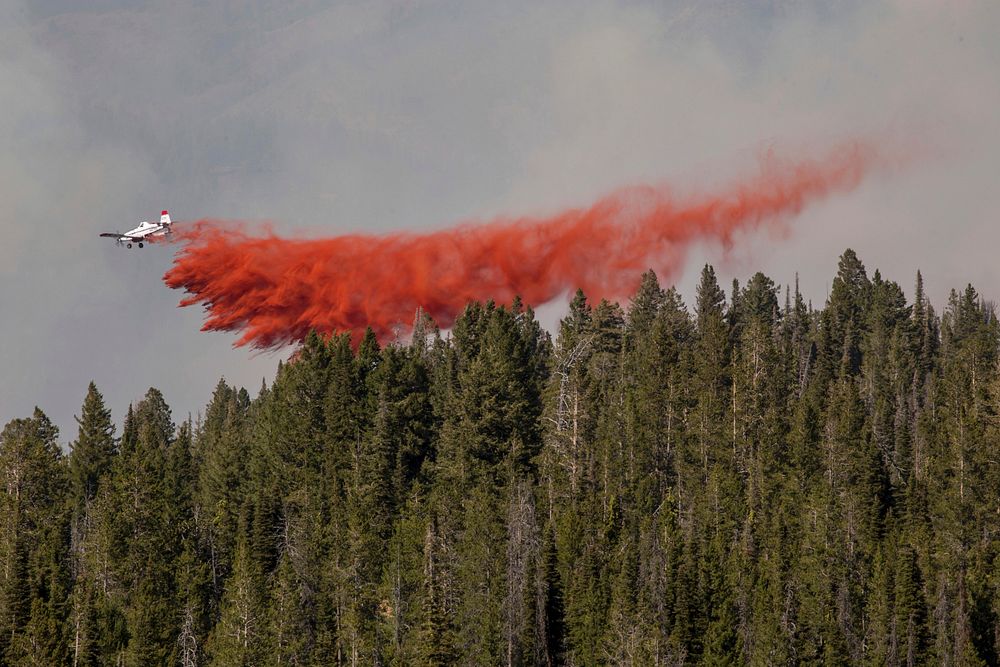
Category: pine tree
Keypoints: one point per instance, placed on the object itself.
(842, 324)
(710, 381)
(645, 304)
(219, 452)
(94, 450)
(551, 611)
(34, 543)
(146, 486)
(238, 638)
(437, 640)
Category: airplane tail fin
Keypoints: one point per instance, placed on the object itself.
(164, 218)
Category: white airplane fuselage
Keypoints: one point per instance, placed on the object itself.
(146, 231)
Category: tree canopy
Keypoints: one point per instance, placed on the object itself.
(750, 481)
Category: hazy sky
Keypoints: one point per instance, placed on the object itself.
(327, 118)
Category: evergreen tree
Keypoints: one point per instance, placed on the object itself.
(239, 636)
(34, 544)
(94, 450)
(219, 455)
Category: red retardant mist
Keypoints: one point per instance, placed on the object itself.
(273, 290)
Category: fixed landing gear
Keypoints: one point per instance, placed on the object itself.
(140, 244)
(128, 245)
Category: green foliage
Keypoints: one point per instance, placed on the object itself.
(34, 544)
(94, 449)
(744, 482)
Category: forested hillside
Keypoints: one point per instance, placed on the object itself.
(745, 481)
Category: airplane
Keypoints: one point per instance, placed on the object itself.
(146, 231)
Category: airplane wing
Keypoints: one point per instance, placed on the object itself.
(118, 235)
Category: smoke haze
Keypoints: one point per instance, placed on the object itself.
(374, 117)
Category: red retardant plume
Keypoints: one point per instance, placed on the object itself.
(274, 290)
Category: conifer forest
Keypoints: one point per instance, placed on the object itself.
(745, 479)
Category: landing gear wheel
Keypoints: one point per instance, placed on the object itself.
(140, 244)
(128, 245)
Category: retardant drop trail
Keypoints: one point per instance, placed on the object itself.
(273, 290)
